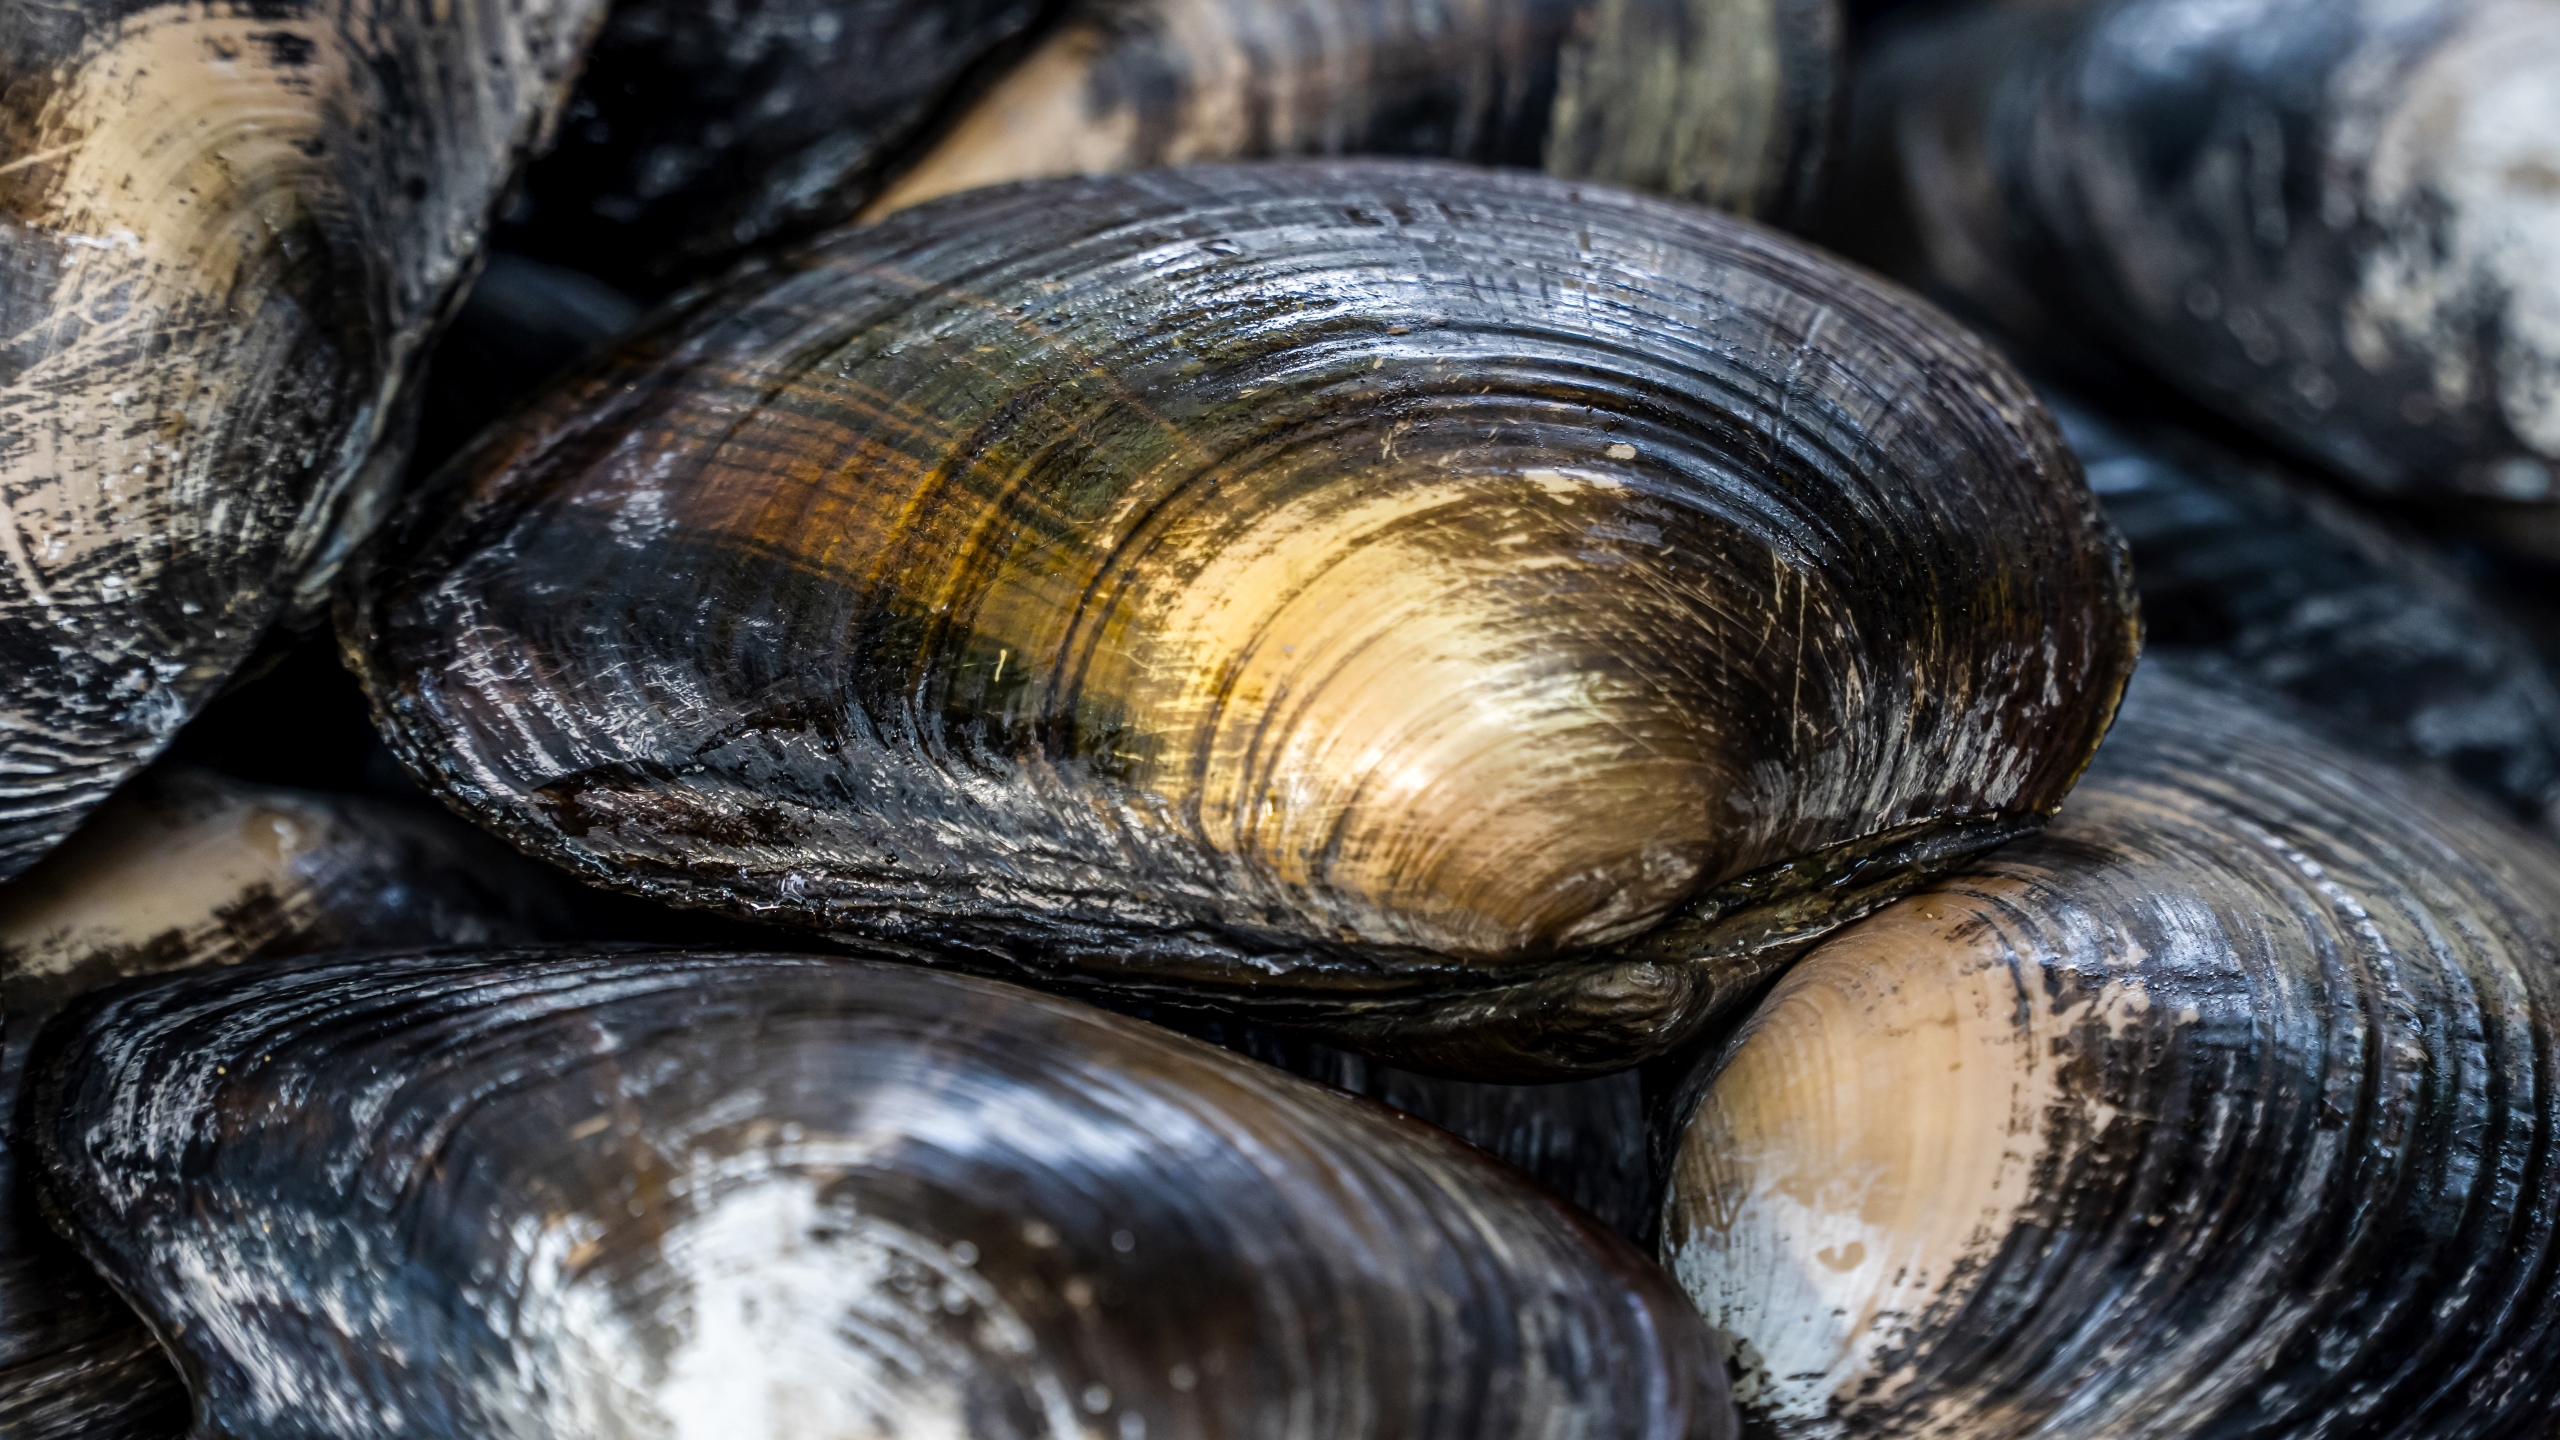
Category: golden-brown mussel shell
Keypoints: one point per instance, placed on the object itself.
(1475, 614)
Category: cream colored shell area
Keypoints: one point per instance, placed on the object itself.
(1866, 1146)
(1700, 115)
(165, 168)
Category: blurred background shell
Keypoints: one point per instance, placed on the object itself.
(1485, 617)
(1724, 102)
(2329, 219)
(2267, 584)
(187, 869)
(761, 1195)
(226, 237)
(2224, 1104)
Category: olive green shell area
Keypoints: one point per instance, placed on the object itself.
(2223, 1106)
(1328, 586)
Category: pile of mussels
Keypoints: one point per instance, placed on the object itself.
(1279, 719)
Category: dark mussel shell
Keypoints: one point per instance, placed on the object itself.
(699, 129)
(2333, 221)
(1483, 617)
(773, 1196)
(186, 869)
(226, 235)
(2228, 1104)
(1725, 102)
(2269, 585)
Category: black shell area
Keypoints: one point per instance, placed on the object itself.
(2325, 221)
(2270, 585)
(698, 131)
(645, 1190)
(937, 585)
(186, 870)
(2280, 1026)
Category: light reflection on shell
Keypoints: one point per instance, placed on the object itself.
(1481, 616)
(2225, 1103)
(540, 1195)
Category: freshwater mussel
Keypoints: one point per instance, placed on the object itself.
(2224, 1105)
(226, 235)
(186, 869)
(552, 1194)
(1724, 102)
(2264, 582)
(2332, 219)
(1482, 617)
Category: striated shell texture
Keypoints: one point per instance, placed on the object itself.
(766, 1196)
(2271, 585)
(185, 870)
(1725, 102)
(2332, 219)
(226, 234)
(700, 127)
(2223, 1106)
(1466, 612)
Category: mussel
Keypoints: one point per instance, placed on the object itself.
(2269, 584)
(1482, 617)
(2332, 219)
(698, 130)
(651, 1194)
(187, 869)
(1725, 102)
(2228, 1104)
(226, 234)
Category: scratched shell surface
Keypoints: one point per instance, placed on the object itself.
(183, 870)
(647, 1194)
(2224, 1105)
(698, 130)
(1473, 614)
(2273, 585)
(2331, 219)
(226, 234)
(1724, 102)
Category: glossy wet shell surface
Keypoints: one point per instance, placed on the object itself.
(226, 234)
(2275, 586)
(764, 1196)
(1725, 102)
(2223, 1105)
(1323, 585)
(2331, 219)
(183, 870)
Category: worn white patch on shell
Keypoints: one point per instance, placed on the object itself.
(781, 1316)
(1866, 1146)
(2465, 181)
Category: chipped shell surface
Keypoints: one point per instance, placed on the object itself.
(756, 1196)
(226, 234)
(1377, 592)
(184, 870)
(1724, 102)
(2224, 1104)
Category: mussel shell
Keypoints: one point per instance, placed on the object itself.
(2224, 1105)
(2331, 219)
(698, 130)
(760, 1195)
(522, 323)
(186, 869)
(1464, 611)
(226, 234)
(2270, 585)
(1725, 102)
